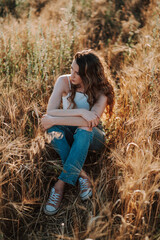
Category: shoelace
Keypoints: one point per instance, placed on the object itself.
(54, 198)
(83, 184)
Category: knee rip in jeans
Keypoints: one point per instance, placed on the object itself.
(54, 134)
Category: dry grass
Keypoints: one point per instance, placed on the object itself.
(125, 203)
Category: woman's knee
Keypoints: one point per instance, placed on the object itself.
(86, 128)
(83, 135)
(53, 128)
(56, 132)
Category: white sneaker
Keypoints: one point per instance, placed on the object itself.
(85, 189)
(52, 205)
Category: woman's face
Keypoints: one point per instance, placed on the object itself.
(75, 77)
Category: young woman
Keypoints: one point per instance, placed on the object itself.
(85, 94)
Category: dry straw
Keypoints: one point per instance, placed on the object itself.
(125, 203)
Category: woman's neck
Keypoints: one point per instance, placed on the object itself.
(80, 88)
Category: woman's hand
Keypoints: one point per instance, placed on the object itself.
(47, 121)
(91, 117)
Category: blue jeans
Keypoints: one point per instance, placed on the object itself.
(72, 144)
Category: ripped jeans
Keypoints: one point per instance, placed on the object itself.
(72, 144)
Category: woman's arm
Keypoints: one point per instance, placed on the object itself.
(60, 87)
(49, 121)
(97, 110)
(86, 114)
(65, 113)
(87, 119)
(100, 105)
(56, 116)
(78, 117)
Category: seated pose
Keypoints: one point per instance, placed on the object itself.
(84, 94)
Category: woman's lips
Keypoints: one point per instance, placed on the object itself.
(72, 80)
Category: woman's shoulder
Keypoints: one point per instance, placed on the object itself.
(63, 82)
(63, 78)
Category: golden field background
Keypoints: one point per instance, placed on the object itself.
(37, 42)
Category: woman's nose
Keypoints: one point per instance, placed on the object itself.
(72, 74)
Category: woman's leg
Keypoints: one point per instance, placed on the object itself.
(97, 144)
(98, 140)
(73, 157)
(62, 139)
(77, 155)
(83, 140)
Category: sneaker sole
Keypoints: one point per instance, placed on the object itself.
(50, 212)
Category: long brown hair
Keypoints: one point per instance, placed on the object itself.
(92, 73)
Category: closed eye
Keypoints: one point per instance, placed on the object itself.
(74, 70)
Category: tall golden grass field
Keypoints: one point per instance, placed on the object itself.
(37, 43)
